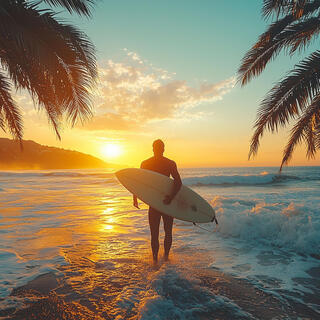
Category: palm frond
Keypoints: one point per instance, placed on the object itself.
(37, 35)
(275, 29)
(54, 118)
(310, 137)
(288, 98)
(299, 35)
(317, 137)
(282, 7)
(55, 62)
(82, 46)
(304, 129)
(10, 115)
(82, 7)
(77, 102)
(293, 36)
(280, 24)
(297, 96)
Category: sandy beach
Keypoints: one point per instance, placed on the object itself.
(92, 290)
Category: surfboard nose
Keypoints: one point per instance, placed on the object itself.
(123, 174)
(119, 173)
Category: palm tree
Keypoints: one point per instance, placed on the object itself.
(297, 96)
(54, 61)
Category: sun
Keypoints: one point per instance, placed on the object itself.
(111, 150)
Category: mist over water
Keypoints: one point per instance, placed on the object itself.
(79, 227)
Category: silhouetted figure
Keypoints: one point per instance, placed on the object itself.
(167, 167)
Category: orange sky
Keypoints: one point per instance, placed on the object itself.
(189, 146)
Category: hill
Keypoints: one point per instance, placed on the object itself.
(37, 156)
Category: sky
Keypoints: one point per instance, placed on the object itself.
(167, 69)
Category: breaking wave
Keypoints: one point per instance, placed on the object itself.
(290, 225)
(241, 180)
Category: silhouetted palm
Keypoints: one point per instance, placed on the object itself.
(52, 60)
(297, 96)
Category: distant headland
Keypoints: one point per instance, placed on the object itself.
(40, 157)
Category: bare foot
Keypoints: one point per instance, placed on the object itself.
(155, 264)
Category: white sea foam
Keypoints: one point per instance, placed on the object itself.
(170, 294)
(287, 225)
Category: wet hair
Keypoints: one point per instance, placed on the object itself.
(158, 144)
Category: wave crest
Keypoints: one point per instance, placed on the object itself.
(233, 180)
(290, 225)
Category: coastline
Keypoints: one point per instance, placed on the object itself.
(207, 292)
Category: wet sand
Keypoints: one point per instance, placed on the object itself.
(127, 288)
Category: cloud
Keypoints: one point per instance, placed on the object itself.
(111, 121)
(133, 93)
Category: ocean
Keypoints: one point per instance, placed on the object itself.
(77, 232)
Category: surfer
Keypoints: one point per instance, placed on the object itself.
(167, 167)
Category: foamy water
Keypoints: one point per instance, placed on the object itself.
(80, 226)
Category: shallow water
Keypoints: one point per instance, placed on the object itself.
(79, 227)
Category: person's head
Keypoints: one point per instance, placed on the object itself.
(158, 147)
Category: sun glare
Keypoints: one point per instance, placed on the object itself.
(111, 150)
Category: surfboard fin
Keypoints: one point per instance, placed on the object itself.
(215, 220)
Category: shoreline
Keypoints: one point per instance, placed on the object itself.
(103, 290)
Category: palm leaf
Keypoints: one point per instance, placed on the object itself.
(303, 33)
(82, 46)
(282, 7)
(55, 62)
(310, 137)
(288, 98)
(79, 6)
(297, 96)
(54, 118)
(78, 104)
(294, 36)
(10, 115)
(304, 129)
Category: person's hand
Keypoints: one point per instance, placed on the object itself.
(167, 200)
(135, 203)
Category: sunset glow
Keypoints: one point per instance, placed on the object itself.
(190, 101)
(111, 151)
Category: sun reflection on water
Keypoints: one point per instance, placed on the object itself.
(109, 224)
(108, 210)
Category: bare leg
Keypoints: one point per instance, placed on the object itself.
(154, 223)
(167, 224)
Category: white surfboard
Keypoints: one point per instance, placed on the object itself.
(152, 187)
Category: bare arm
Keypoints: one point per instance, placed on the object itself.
(176, 185)
(135, 199)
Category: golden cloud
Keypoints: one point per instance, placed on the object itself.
(133, 93)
